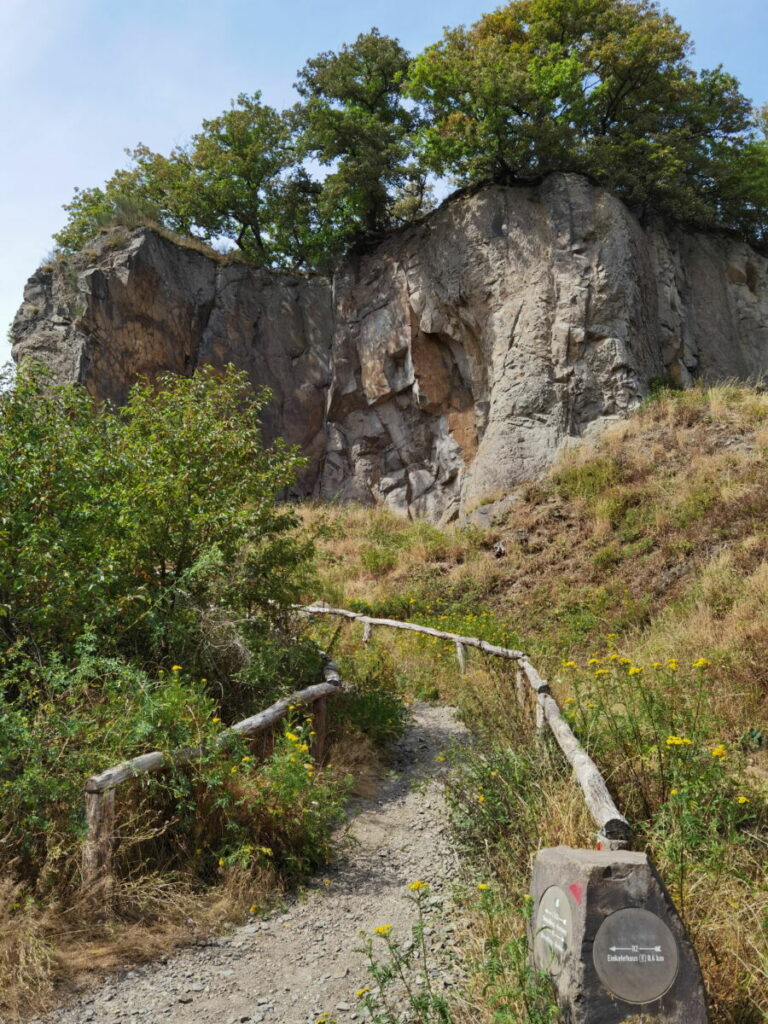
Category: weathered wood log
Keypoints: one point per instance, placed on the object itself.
(158, 759)
(96, 857)
(461, 657)
(266, 719)
(468, 641)
(367, 630)
(614, 831)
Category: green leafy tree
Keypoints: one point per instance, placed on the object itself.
(354, 120)
(230, 182)
(238, 159)
(600, 87)
(144, 523)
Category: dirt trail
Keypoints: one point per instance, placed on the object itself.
(294, 965)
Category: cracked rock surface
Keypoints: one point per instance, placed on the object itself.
(441, 367)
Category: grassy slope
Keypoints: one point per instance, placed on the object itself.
(650, 550)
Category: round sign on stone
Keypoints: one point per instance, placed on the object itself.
(635, 955)
(552, 933)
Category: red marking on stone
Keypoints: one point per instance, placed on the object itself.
(577, 891)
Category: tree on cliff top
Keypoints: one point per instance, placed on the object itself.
(354, 120)
(600, 87)
(603, 88)
(230, 182)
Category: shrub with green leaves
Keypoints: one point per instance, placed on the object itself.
(146, 577)
(139, 522)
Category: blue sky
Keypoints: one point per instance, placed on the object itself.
(80, 80)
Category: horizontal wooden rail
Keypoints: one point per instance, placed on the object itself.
(100, 789)
(614, 832)
(441, 634)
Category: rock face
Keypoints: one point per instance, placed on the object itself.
(446, 365)
(138, 304)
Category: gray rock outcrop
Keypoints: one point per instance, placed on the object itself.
(446, 365)
(138, 304)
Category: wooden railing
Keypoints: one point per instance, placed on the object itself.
(100, 789)
(614, 832)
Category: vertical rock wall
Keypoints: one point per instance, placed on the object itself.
(443, 367)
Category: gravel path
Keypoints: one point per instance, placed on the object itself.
(291, 966)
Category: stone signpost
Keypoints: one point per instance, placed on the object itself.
(606, 931)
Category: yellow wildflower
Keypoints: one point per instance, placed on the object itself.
(672, 664)
(742, 799)
(483, 886)
(303, 748)
(656, 664)
(221, 862)
(719, 751)
(593, 661)
(625, 661)
(215, 720)
(701, 663)
(233, 769)
(291, 736)
(363, 992)
(383, 929)
(674, 792)
(635, 670)
(570, 700)
(267, 851)
(601, 671)
(481, 798)
(569, 664)
(253, 908)
(245, 760)
(175, 668)
(418, 885)
(678, 741)
(440, 757)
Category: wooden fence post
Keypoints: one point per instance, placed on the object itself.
(541, 721)
(367, 630)
(461, 657)
(97, 849)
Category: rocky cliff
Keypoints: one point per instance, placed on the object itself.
(444, 366)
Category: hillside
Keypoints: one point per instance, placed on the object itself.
(636, 575)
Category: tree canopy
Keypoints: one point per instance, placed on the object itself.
(604, 88)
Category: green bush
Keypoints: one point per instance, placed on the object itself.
(146, 574)
(136, 522)
(590, 479)
(369, 702)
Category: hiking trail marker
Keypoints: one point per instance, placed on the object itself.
(606, 931)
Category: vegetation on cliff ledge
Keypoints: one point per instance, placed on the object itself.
(603, 88)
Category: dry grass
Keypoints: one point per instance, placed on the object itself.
(659, 535)
(48, 952)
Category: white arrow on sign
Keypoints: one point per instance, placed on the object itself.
(635, 949)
